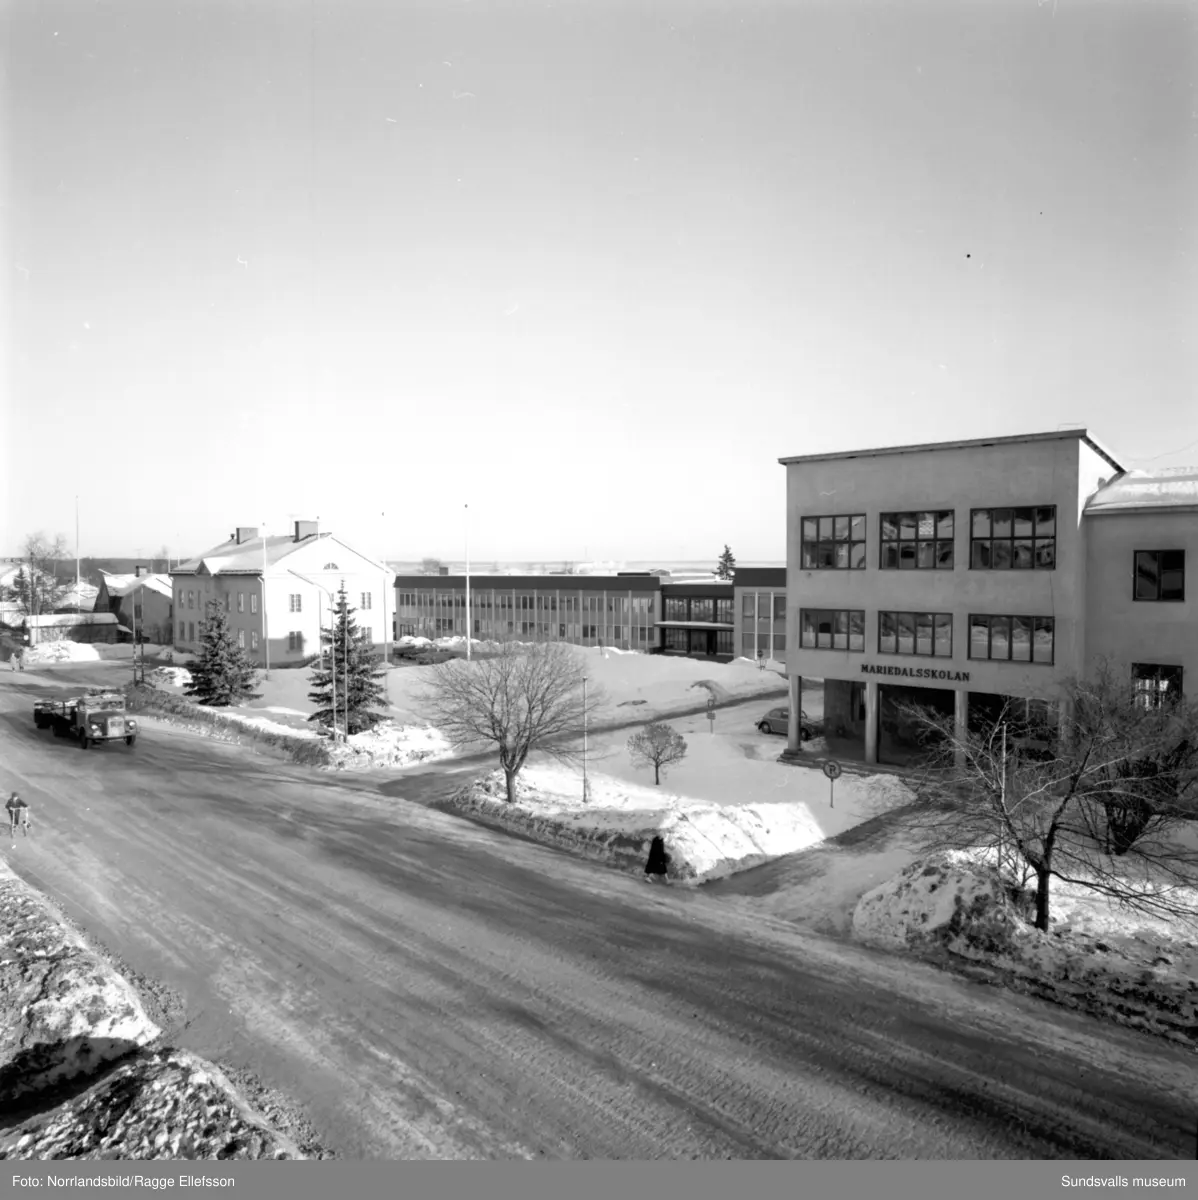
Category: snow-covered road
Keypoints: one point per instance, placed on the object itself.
(428, 988)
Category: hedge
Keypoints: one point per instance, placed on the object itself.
(147, 699)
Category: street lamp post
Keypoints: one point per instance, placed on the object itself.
(586, 786)
(386, 634)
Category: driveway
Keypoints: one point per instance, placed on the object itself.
(426, 988)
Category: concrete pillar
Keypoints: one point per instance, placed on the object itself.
(960, 724)
(871, 721)
(794, 742)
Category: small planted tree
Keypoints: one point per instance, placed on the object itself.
(1110, 805)
(657, 745)
(727, 564)
(520, 699)
(350, 672)
(222, 674)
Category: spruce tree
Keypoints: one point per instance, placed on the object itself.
(351, 663)
(727, 564)
(223, 674)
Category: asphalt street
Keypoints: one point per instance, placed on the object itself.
(427, 988)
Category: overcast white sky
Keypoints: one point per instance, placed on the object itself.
(590, 267)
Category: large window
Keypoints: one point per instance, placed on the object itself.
(1012, 639)
(702, 609)
(920, 633)
(724, 641)
(1013, 539)
(676, 639)
(675, 609)
(1155, 684)
(917, 541)
(832, 629)
(724, 612)
(1160, 575)
(833, 543)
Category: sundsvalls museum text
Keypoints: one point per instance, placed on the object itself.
(153, 1182)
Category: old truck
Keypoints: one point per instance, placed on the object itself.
(96, 716)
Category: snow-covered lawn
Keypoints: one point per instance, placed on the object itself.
(1140, 971)
(727, 806)
(636, 685)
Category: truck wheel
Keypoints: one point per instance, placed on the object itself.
(84, 741)
(130, 739)
(57, 729)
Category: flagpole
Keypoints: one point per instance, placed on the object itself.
(265, 629)
(467, 582)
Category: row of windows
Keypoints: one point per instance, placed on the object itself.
(1000, 539)
(295, 601)
(699, 641)
(758, 604)
(925, 634)
(699, 608)
(483, 601)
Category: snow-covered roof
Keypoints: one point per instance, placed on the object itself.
(232, 558)
(51, 620)
(245, 558)
(1166, 487)
(122, 585)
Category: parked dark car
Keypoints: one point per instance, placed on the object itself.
(777, 720)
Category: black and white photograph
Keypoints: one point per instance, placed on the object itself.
(591, 581)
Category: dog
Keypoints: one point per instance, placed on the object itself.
(18, 814)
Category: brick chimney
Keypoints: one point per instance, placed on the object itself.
(305, 529)
(245, 533)
(138, 572)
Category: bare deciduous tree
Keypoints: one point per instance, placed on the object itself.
(657, 745)
(520, 699)
(37, 587)
(1111, 804)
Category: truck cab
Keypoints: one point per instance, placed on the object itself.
(103, 718)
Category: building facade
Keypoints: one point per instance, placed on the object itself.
(584, 610)
(953, 574)
(143, 602)
(277, 592)
(760, 602)
(627, 610)
(1141, 612)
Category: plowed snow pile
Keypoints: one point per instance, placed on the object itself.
(51, 652)
(66, 1015)
(178, 677)
(159, 1104)
(389, 744)
(1132, 970)
(63, 1011)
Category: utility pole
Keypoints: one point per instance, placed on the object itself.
(78, 598)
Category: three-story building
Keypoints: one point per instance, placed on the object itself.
(952, 574)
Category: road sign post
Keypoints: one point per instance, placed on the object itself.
(833, 772)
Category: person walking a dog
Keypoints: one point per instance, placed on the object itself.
(18, 814)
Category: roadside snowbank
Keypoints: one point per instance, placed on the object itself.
(64, 1014)
(164, 1104)
(958, 905)
(389, 744)
(704, 839)
(178, 677)
(63, 1011)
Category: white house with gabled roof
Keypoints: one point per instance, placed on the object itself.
(277, 591)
